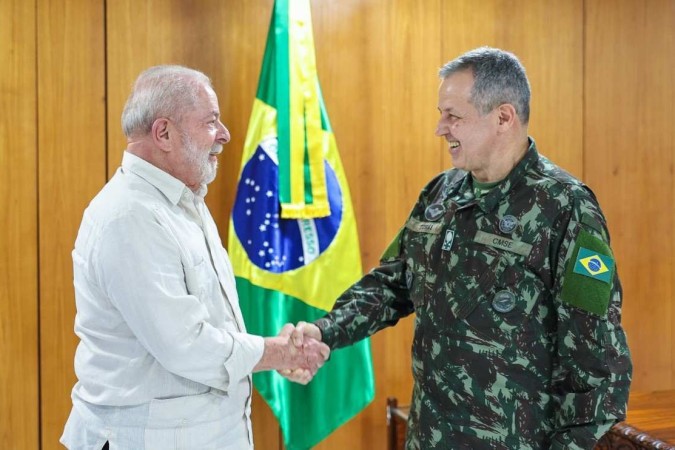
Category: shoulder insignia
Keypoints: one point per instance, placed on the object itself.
(594, 265)
(589, 274)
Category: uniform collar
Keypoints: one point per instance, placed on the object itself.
(461, 189)
(171, 187)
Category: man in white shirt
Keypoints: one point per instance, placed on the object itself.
(164, 360)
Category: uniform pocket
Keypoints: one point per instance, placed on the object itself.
(418, 247)
(616, 351)
(515, 296)
(477, 288)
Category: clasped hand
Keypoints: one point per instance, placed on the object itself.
(306, 352)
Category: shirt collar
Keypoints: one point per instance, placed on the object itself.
(171, 187)
(461, 189)
(492, 199)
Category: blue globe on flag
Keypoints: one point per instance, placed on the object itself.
(270, 242)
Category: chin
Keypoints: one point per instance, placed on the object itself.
(210, 173)
(210, 178)
(458, 164)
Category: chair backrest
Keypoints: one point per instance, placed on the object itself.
(397, 423)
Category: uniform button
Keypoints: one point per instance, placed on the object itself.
(504, 301)
(507, 224)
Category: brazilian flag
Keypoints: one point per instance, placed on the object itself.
(293, 240)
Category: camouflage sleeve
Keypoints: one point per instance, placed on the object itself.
(377, 301)
(592, 369)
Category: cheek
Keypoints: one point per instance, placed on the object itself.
(458, 130)
(460, 127)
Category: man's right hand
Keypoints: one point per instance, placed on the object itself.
(302, 334)
(297, 359)
(305, 330)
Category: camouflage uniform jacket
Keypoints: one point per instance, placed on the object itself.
(518, 341)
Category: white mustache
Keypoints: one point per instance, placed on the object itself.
(216, 149)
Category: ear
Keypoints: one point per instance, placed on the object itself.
(506, 116)
(162, 133)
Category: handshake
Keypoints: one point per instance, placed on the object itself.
(297, 353)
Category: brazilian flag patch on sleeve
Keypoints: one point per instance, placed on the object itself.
(594, 265)
(589, 274)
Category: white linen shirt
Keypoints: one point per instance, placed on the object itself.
(163, 355)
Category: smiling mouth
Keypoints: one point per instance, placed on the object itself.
(454, 144)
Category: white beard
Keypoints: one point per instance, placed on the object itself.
(199, 158)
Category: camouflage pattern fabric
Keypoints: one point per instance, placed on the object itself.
(514, 347)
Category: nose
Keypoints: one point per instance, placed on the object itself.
(441, 128)
(223, 133)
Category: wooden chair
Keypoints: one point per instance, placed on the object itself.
(397, 421)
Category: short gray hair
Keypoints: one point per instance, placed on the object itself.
(161, 91)
(499, 78)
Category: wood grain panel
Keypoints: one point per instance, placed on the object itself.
(377, 63)
(71, 143)
(548, 39)
(19, 427)
(629, 142)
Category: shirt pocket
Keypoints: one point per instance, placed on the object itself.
(418, 247)
(196, 279)
(477, 288)
(509, 300)
(461, 281)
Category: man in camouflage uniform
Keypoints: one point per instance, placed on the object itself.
(505, 260)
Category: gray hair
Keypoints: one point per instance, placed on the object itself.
(499, 78)
(161, 91)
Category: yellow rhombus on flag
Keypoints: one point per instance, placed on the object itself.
(293, 240)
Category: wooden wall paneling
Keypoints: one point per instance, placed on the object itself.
(224, 39)
(19, 428)
(377, 62)
(629, 160)
(548, 39)
(71, 145)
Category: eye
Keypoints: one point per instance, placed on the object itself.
(448, 115)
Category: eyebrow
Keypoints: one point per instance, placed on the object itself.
(211, 114)
(449, 109)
